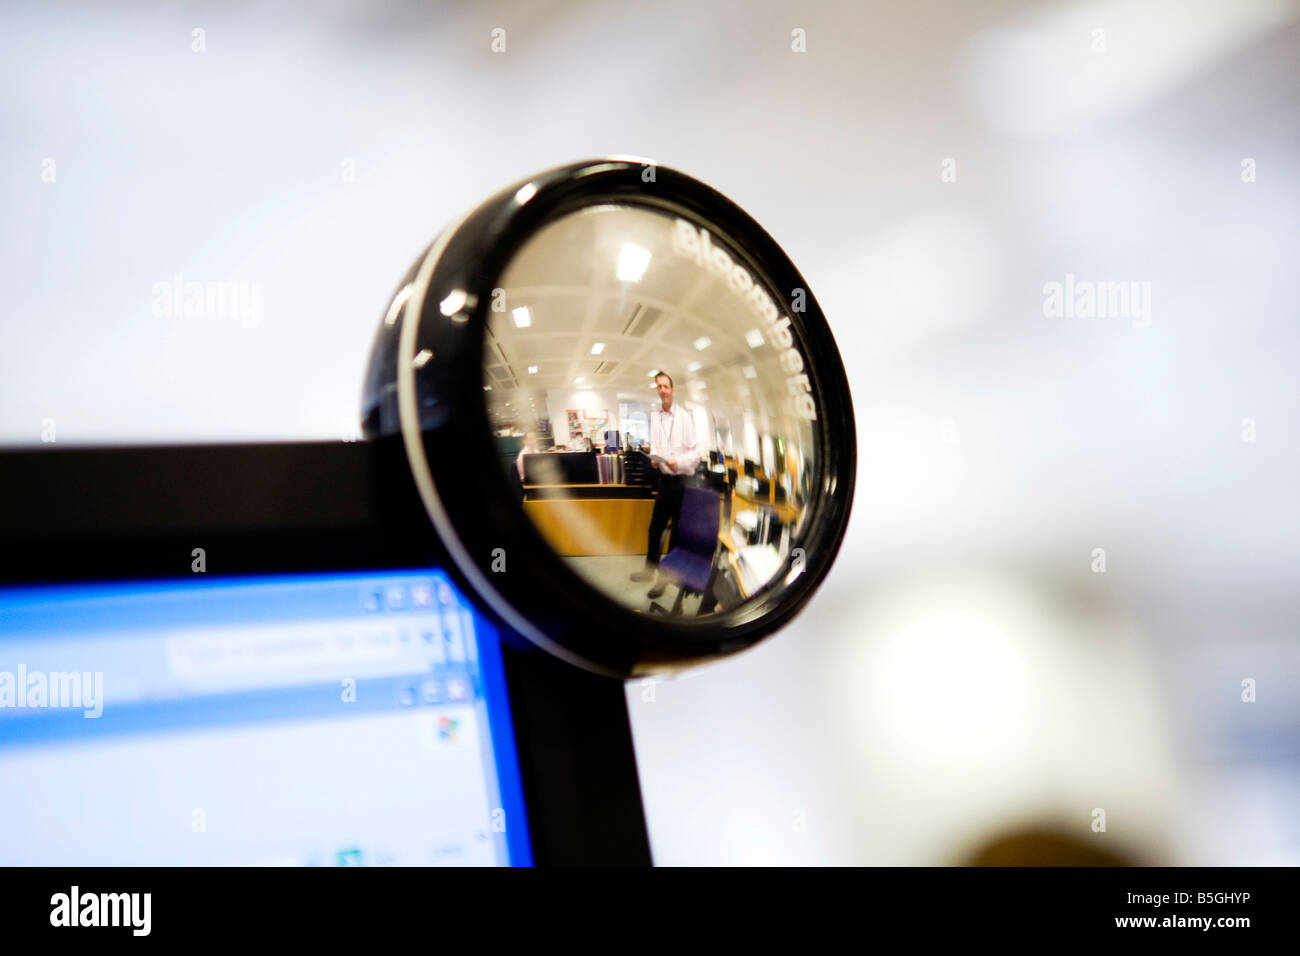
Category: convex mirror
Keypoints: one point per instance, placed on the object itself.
(625, 414)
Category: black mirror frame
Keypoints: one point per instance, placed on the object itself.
(426, 381)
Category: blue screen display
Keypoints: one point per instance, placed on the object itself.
(315, 720)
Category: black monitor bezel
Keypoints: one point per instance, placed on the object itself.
(103, 514)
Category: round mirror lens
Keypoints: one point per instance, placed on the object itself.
(652, 408)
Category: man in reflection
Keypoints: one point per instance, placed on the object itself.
(530, 448)
(673, 453)
(517, 473)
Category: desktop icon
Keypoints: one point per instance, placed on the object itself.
(447, 727)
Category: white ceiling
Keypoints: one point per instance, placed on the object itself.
(567, 277)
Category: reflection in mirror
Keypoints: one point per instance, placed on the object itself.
(652, 409)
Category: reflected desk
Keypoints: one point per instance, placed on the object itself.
(583, 519)
(752, 565)
(591, 519)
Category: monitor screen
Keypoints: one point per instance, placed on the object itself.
(321, 720)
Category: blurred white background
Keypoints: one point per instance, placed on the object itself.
(967, 671)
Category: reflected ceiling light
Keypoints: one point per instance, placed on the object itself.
(532, 370)
(694, 367)
(578, 381)
(523, 318)
(598, 348)
(453, 303)
(702, 343)
(525, 193)
(750, 372)
(632, 263)
(487, 388)
(754, 338)
(422, 358)
(399, 302)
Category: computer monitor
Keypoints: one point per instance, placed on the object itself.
(256, 655)
(322, 719)
(564, 467)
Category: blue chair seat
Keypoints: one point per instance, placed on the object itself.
(690, 562)
(687, 569)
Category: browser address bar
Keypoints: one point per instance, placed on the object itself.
(297, 653)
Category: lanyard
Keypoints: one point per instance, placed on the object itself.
(672, 420)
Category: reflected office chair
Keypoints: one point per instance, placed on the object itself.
(690, 563)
